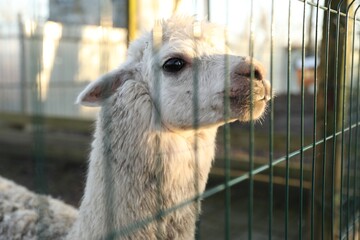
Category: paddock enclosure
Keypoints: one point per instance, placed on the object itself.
(293, 174)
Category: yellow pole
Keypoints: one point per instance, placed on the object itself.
(132, 19)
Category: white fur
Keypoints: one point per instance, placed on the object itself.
(150, 151)
(147, 155)
(28, 216)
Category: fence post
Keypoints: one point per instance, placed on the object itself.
(133, 19)
(330, 114)
(22, 65)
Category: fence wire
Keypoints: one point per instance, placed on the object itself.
(315, 159)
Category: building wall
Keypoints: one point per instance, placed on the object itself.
(77, 11)
(45, 69)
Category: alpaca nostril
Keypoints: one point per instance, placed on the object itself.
(250, 70)
(257, 71)
(258, 75)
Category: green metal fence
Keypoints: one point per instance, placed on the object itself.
(300, 166)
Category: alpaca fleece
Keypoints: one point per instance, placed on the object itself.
(155, 134)
(154, 141)
(28, 216)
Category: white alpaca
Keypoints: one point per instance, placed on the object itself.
(25, 215)
(143, 156)
(147, 155)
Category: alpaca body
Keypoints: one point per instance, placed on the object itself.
(154, 141)
(155, 135)
(25, 215)
(140, 170)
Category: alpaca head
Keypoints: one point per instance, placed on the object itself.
(190, 74)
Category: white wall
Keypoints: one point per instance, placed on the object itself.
(59, 61)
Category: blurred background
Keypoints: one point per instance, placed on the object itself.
(51, 49)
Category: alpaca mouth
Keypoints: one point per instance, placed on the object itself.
(265, 93)
(256, 99)
(268, 90)
(262, 92)
(264, 98)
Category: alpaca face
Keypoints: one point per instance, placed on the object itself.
(192, 78)
(195, 81)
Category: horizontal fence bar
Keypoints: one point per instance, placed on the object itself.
(342, 14)
(350, 229)
(222, 187)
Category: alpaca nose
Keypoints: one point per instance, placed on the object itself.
(250, 68)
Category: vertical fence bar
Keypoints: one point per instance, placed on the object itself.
(355, 212)
(196, 34)
(106, 121)
(226, 136)
(357, 131)
(227, 133)
(322, 173)
(108, 173)
(312, 202)
(22, 37)
(251, 137)
(156, 44)
(302, 125)
(343, 124)
(350, 119)
(271, 126)
(349, 110)
(342, 106)
(38, 127)
(38, 117)
(288, 127)
(335, 115)
(325, 130)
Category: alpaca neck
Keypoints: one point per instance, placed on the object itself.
(137, 184)
(135, 172)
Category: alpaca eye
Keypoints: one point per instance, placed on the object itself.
(173, 65)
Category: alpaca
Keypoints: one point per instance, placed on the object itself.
(154, 141)
(25, 215)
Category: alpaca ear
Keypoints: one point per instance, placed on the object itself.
(102, 88)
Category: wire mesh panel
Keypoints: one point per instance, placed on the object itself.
(288, 172)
